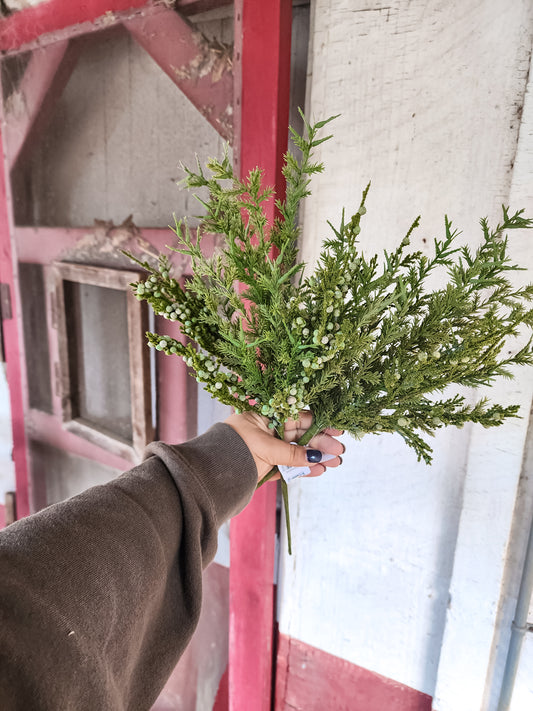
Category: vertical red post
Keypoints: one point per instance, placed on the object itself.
(11, 340)
(262, 93)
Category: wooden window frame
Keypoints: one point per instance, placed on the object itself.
(139, 358)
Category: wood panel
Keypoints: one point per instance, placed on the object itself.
(430, 95)
(498, 492)
(53, 20)
(200, 68)
(44, 78)
(138, 359)
(262, 50)
(36, 338)
(62, 474)
(309, 679)
(196, 678)
(117, 107)
(48, 429)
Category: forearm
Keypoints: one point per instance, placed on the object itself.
(100, 594)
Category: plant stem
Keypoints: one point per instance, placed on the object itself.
(311, 432)
(304, 439)
(285, 495)
(268, 476)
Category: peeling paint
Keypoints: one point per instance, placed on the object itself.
(225, 123)
(102, 246)
(16, 106)
(109, 18)
(214, 59)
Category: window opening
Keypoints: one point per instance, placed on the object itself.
(106, 378)
(98, 357)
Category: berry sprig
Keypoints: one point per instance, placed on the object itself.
(362, 342)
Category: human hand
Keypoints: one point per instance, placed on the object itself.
(268, 451)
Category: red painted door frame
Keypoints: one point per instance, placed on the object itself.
(58, 20)
(262, 91)
(262, 76)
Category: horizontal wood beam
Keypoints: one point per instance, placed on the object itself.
(27, 25)
(200, 68)
(43, 245)
(309, 678)
(65, 18)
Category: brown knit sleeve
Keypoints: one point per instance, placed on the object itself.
(100, 594)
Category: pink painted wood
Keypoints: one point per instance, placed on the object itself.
(176, 391)
(32, 22)
(310, 679)
(11, 337)
(262, 76)
(54, 16)
(44, 245)
(26, 104)
(222, 700)
(49, 430)
(202, 72)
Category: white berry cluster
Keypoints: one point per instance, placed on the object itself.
(225, 386)
(362, 342)
(284, 405)
(168, 300)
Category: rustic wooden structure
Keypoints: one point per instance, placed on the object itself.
(251, 114)
(402, 590)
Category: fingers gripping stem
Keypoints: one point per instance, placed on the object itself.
(304, 439)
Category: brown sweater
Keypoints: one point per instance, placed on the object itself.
(100, 594)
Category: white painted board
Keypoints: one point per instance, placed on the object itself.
(430, 95)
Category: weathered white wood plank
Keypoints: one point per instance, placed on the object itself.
(430, 95)
(497, 509)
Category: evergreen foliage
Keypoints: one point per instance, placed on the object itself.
(362, 342)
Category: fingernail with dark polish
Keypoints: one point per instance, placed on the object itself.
(314, 456)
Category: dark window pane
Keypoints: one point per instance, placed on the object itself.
(33, 297)
(97, 333)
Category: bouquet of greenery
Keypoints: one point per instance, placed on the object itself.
(361, 342)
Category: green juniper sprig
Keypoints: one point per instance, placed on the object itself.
(362, 342)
